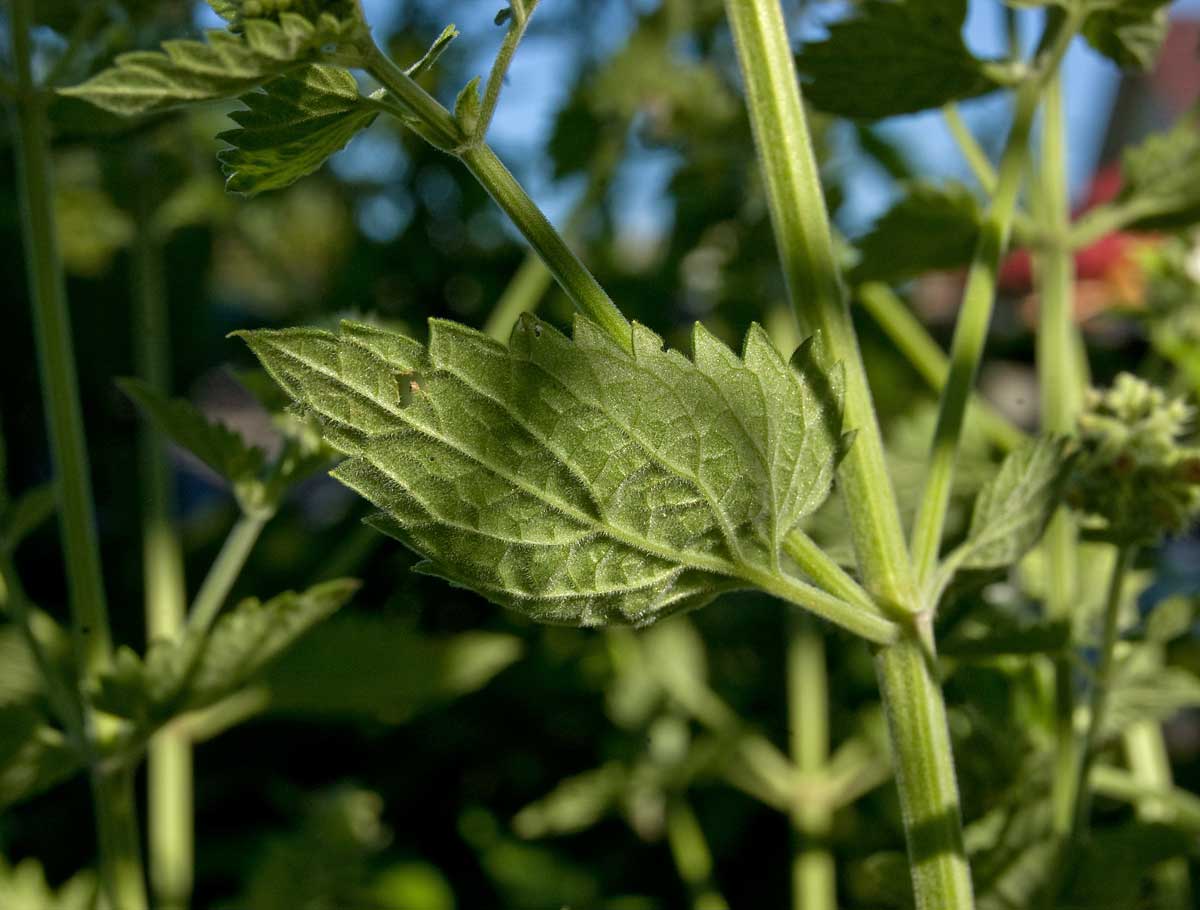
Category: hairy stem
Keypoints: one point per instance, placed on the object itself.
(56, 357)
(693, 859)
(520, 12)
(226, 568)
(926, 357)
(805, 244)
(814, 882)
(974, 319)
(169, 806)
(923, 758)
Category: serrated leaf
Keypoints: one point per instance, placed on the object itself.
(291, 127)
(225, 65)
(382, 669)
(1013, 509)
(893, 58)
(931, 227)
(1129, 33)
(1161, 177)
(571, 479)
(200, 669)
(222, 449)
(26, 514)
(467, 107)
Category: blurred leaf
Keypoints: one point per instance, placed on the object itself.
(383, 669)
(91, 227)
(930, 228)
(1140, 692)
(500, 490)
(575, 804)
(882, 880)
(893, 58)
(1170, 619)
(195, 672)
(1115, 864)
(33, 756)
(411, 886)
(291, 127)
(224, 66)
(26, 513)
(1001, 635)
(1013, 509)
(1129, 32)
(222, 449)
(1161, 177)
(24, 887)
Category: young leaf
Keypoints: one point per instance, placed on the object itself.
(572, 480)
(1013, 509)
(467, 107)
(224, 66)
(219, 447)
(1161, 178)
(893, 58)
(199, 669)
(1129, 32)
(931, 227)
(430, 57)
(290, 128)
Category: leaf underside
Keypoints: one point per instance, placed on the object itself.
(570, 479)
(225, 65)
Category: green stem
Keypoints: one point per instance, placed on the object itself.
(971, 151)
(1061, 399)
(821, 568)
(439, 127)
(975, 316)
(224, 572)
(1101, 681)
(692, 857)
(116, 822)
(522, 295)
(805, 243)
(521, 12)
(56, 357)
(814, 881)
(1150, 767)
(170, 813)
(923, 758)
(1182, 807)
(926, 357)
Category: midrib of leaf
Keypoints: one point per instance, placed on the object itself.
(688, 558)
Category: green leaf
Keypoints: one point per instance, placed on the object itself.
(1148, 693)
(198, 670)
(26, 514)
(572, 480)
(381, 669)
(24, 887)
(430, 57)
(1161, 178)
(225, 66)
(33, 755)
(893, 58)
(468, 106)
(289, 129)
(1129, 33)
(1013, 509)
(222, 449)
(1114, 866)
(930, 228)
(575, 804)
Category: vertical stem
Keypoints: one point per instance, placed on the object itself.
(116, 822)
(975, 316)
(923, 757)
(169, 808)
(1151, 768)
(804, 239)
(692, 856)
(813, 876)
(975, 157)
(56, 357)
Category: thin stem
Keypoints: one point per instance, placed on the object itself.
(116, 822)
(923, 759)
(821, 568)
(814, 882)
(1150, 767)
(874, 625)
(224, 572)
(439, 127)
(693, 859)
(805, 244)
(56, 357)
(1101, 681)
(169, 808)
(972, 152)
(521, 11)
(974, 319)
(1183, 808)
(931, 363)
(522, 295)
